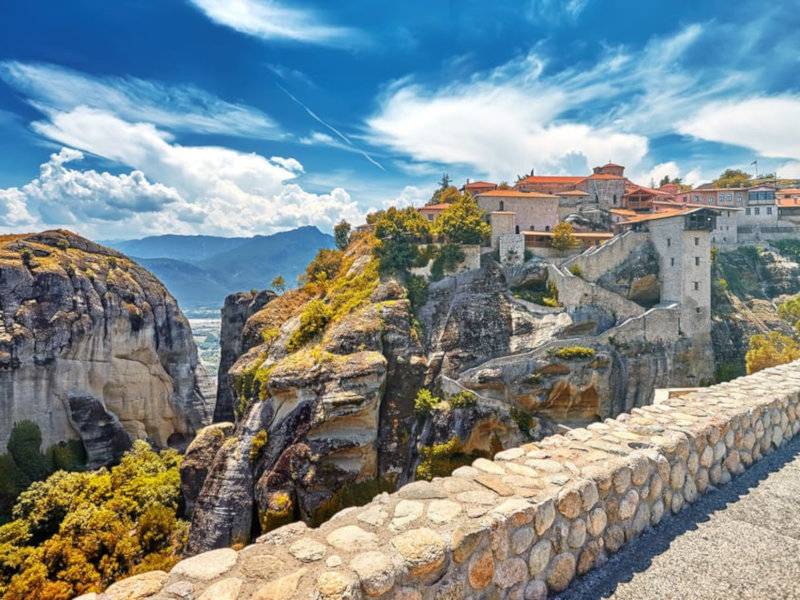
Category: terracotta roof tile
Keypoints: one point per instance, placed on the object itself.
(515, 194)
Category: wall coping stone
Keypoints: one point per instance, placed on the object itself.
(528, 522)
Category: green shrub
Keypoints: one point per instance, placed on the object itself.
(727, 371)
(27, 256)
(447, 259)
(323, 267)
(260, 440)
(67, 456)
(417, 288)
(425, 402)
(463, 399)
(76, 533)
(398, 233)
(315, 317)
(523, 419)
(463, 222)
(576, 270)
(24, 445)
(570, 352)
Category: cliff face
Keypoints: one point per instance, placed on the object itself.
(237, 309)
(328, 420)
(747, 285)
(93, 347)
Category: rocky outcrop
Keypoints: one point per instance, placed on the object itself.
(93, 347)
(747, 285)
(331, 421)
(197, 461)
(636, 278)
(237, 309)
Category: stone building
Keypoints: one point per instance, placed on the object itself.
(682, 239)
(605, 187)
(761, 207)
(534, 211)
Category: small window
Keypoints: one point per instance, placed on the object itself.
(696, 261)
(769, 210)
(669, 242)
(696, 285)
(758, 210)
(615, 199)
(672, 262)
(696, 241)
(747, 211)
(517, 228)
(698, 310)
(547, 227)
(502, 206)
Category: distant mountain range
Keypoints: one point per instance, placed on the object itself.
(200, 270)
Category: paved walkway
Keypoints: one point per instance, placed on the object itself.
(739, 542)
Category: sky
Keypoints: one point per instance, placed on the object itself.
(241, 117)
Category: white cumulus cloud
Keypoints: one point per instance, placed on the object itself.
(272, 20)
(768, 125)
(173, 187)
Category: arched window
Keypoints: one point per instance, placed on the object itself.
(502, 206)
(517, 228)
(615, 199)
(547, 227)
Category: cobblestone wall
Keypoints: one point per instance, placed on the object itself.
(521, 526)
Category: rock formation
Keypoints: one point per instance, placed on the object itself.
(93, 347)
(235, 312)
(324, 391)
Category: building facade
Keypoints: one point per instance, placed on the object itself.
(534, 211)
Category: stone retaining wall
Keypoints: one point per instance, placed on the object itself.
(519, 527)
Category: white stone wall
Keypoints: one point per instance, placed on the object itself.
(512, 249)
(523, 525)
(532, 214)
(502, 223)
(725, 232)
(599, 260)
(574, 292)
(472, 260)
(685, 267)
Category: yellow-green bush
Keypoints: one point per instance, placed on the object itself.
(569, 352)
(76, 533)
(770, 350)
(425, 402)
(315, 317)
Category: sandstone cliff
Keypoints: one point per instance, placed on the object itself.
(747, 285)
(325, 388)
(237, 309)
(93, 347)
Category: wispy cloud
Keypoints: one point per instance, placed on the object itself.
(346, 142)
(555, 11)
(271, 20)
(177, 108)
(524, 114)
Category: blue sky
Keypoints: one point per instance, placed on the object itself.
(134, 117)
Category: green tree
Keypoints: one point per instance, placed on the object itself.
(278, 284)
(770, 350)
(463, 222)
(564, 237)
(398, 232)
(733, 178)
(341, 233)
(25, 447)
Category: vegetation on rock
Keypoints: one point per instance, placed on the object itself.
(564, 237)
(25, 463)
(76, 533)
(463, 222)
(570, 352)
(771, 350)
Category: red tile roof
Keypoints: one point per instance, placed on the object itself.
(479, 184)
(603, 235)
(786, 202)
(572, 193)
(788, 191)
(515, 194)
(442, 206)
(552, 179)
